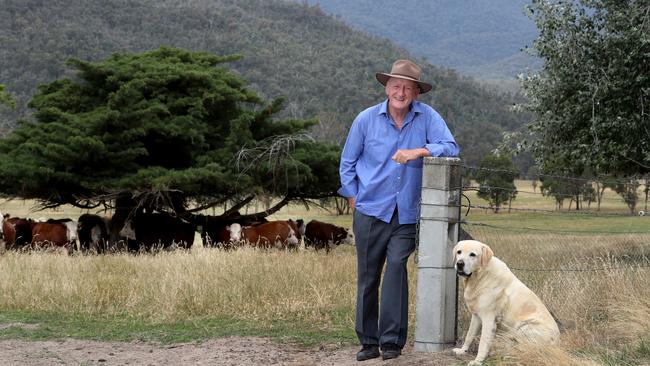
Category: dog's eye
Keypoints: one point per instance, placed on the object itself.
(472, 254)
(459, 252)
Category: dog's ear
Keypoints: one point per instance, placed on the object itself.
(454, 251)
(486, 255)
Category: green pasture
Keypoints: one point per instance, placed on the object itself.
(531, 210)
(126, 328)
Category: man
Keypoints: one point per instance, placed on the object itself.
(381, 176)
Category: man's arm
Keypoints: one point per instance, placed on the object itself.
(348, 167)
(440, 141)
(403, 156)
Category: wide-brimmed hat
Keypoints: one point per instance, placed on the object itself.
(405, 69)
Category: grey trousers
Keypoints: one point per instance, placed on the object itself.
(379, 243)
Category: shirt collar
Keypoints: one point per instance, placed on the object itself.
(416, 107)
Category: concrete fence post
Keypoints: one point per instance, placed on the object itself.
(436, 303)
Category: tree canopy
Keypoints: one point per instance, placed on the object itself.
(168, 127)
(5, 98)
(591, 99)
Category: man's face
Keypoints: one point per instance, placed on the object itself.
(401, 93)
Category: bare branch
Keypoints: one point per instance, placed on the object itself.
(239, 205)
(270, 211)
(275, 150)
(210, 204)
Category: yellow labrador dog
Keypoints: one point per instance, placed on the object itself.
(494, 296)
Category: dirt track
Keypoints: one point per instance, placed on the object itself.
(220, 351)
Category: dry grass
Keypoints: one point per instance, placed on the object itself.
(596, 284)
(244, 284)
(631, 316)
(534, 355)
(600, 314)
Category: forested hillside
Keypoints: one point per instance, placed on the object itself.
(481, 38)
(323, 68)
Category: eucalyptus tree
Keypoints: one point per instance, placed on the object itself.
(496, 179)
(562, 187)
(591, 98)
(167, 129)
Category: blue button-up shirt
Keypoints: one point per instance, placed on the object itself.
(379, 183)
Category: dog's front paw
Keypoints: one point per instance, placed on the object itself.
(458, 351)
(474, 363)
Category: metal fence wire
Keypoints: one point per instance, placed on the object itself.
(576, 271)
(531, 250)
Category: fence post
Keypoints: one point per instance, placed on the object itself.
(436, 303)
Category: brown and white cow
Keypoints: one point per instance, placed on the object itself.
(278, 234)
(298, 226)
(58, 233)
(148, 231)
(214, 229)
(323, 235)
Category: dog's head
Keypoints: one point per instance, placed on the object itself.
(470, 256)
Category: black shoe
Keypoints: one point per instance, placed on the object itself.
(368, 352)
(390, 351)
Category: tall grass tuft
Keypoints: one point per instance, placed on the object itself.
(630, 317)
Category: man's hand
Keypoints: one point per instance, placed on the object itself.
(352, 201)
(404, 156)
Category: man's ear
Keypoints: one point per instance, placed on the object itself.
(486, 255)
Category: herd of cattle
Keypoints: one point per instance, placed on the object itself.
(150, 231)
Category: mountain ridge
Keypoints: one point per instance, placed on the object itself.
(478, 38)
(323, 68)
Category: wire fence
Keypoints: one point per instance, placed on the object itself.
(577, 262)
(550, 250)
(563, 242)
(595, 194)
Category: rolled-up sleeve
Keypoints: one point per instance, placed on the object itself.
(440, 141)
(349, 158)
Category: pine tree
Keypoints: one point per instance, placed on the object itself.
(167, 129)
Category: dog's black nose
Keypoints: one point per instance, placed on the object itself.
(460, 264)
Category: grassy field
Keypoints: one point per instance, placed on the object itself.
(590, 269)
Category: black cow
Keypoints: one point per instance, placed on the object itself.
(157, 230)
(94, 232)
